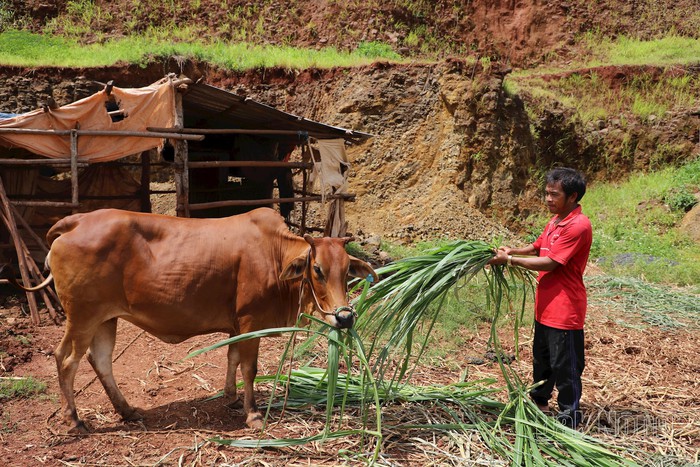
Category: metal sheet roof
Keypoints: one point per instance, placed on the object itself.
(206, 106)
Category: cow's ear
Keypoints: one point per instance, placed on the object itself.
(359, 268)
(294, 269)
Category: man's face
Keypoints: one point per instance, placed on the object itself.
(557, 201)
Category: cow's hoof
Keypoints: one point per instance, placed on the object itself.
(255, 421)
(131, 415)
(79, 428)
(235, 404)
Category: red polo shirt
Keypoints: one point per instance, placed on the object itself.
(560, 301)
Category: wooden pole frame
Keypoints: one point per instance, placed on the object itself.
(141, 134)
(9, 221)
(182, 171)
(74, 170)
(10, 216)
(145, 193)
(262, 202)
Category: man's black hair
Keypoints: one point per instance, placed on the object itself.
(571, 180)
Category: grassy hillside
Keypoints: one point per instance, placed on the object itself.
(26, 49)
(520, 34)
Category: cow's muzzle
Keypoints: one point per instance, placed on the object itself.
(344, 317)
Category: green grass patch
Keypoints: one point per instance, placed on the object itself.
(21, 48)
(25, 340)
(668, 50)
(16, 388)
(591, 98)
(657, 306)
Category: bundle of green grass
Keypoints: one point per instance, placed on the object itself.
(395, 319)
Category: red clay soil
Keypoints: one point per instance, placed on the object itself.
(641, 388)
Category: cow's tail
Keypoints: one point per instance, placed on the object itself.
(59, 228)
(10, 274)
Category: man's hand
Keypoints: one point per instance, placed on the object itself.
(501, 256)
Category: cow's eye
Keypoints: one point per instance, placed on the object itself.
(317, 270)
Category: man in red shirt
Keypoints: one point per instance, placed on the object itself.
(560, 255)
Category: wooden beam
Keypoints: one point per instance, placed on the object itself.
(291, 165)
(46, 204)
(262, 202)
(48, 197)
(47, 161)
(342, 133)
(139, 134)
(242, 131)
(310, 229)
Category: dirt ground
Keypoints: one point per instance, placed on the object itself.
(641, 384)
(641, 390)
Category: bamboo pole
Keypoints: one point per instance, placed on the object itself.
(39, 278)
(34, 269)
(39, 242)
(8, 219)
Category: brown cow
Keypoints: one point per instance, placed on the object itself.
(177, 278)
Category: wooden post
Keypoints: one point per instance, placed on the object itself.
(39, 242)
(8, 219)
(39, 278)
(304, 186)
(182, 175)
(146, 181)
(48, 293)
(74, 168)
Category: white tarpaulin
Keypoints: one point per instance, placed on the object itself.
(330, 165)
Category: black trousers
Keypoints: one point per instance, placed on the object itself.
(557, 359)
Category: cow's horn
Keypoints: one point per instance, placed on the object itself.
(310, 240)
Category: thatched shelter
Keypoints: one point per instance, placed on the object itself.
(225, 153)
